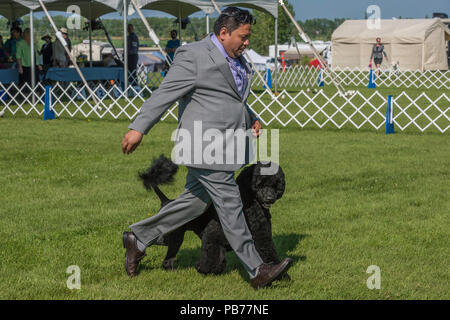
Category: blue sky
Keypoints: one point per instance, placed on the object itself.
(353, 9)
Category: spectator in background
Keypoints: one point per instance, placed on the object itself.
(377, 55)
(60, 57)
(11, 43)
(133, 54)
(4, 56)
(23, 56)
(172, 45)
(47, 52)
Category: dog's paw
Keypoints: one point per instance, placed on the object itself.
(200, 269)
(168, 264)
(209, 270)
(286, 277)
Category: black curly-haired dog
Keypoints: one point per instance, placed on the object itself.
(258, 193)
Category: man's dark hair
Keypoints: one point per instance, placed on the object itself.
(232, 18)
(17, 29)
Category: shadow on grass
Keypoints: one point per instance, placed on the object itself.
(188, 258)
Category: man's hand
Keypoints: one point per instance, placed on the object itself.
(130, 141)
(256, 128)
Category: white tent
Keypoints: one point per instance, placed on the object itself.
(258, 60)
(187, 7)
(177, 8)
(14, 9)
(305, 50)
(416, 44)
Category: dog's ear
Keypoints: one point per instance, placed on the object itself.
(281, 183)
(259, 177)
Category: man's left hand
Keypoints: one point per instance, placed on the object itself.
(256, 128)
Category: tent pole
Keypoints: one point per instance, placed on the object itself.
(207, 23)
(33, 58)
(305, 38)
(151, 33)
(125, 47)
(423, 56)
(179, 23)
(276, 55)
(90, 35)
(64, 43)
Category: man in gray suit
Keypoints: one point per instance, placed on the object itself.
(212, 82)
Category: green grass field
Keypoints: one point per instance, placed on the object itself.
(354, 198)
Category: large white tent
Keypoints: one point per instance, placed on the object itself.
(13, 9)
(187, 7)
(416, 44)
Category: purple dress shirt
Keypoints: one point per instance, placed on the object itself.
(237, 68)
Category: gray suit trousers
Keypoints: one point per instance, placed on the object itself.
(202, 187)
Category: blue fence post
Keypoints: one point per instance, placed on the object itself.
(371, 80)
(3, 95)
(320, 81)
(48, 110)
(268, 79)
(389, 116)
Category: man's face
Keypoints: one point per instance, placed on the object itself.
(130, 29)
(236, 42)
(173, 35)
(16, 34)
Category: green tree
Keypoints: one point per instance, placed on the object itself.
(263, 32)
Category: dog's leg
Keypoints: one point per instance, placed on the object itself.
(212, 259)
(265, 246)
(175, 239)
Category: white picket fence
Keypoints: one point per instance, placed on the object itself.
(301, 76)
(361, 110)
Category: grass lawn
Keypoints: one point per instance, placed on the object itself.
(354, 198)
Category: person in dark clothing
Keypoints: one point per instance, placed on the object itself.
(172, 45)
(10, 44)
(47, 52)
(133, 55)
(4, 56)
(377, 55)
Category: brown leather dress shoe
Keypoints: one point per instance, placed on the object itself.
(267, 273)
(133, 255)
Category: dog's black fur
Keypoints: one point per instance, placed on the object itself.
(258, 193)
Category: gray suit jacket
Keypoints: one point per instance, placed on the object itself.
(201, 79)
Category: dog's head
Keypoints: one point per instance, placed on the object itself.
(266, 183)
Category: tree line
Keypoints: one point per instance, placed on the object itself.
(262, 35)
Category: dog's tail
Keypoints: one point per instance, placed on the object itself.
(161, 171)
